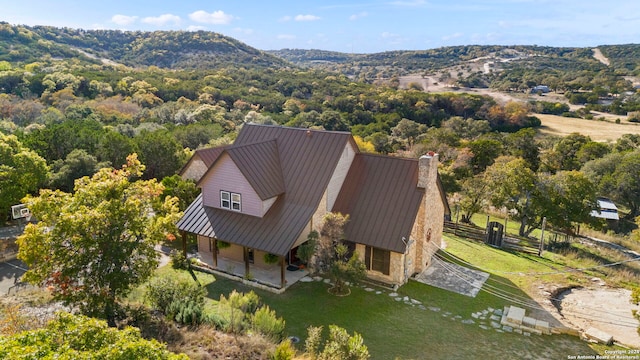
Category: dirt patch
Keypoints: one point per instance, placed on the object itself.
(609, 310)
(597, 54)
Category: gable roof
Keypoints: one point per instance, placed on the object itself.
(208, 156)
(307, 159)
(382, 199)
(260, 165)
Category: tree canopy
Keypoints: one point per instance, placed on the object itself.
(22, 171)
(92, 247)
(80, 337)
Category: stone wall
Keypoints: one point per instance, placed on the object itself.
(427, 230)
(396, 267)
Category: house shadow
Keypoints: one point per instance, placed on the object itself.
(453, 274)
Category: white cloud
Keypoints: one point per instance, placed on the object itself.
(123, 20)
(161, 20)
(358, 16)
(306, 18)
(285, 18)
(195, 28)
(286, 37)
(216, 17)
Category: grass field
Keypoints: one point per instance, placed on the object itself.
(598, 130)
(393, 329)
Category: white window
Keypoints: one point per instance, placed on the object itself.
(225, 199)
(230, 201)
(235, 202)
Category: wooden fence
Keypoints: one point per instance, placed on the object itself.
(509, 242)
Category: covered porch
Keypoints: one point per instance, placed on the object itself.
(249, 265)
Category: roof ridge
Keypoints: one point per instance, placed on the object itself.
(303, 129)
(388, 156)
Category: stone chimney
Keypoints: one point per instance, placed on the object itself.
(427, 170)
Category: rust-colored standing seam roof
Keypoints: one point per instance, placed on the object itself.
(307, 161)
(260, 165)
(382, 199)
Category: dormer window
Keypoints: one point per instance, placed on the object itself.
(230, 201)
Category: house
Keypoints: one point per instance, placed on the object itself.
(541, 89)
(264, 194)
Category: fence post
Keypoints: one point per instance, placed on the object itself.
(544, 223)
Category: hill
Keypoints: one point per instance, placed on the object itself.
(165, 49)
(502, 67)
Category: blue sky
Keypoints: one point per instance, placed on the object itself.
(360, 26)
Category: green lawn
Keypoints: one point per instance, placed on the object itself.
(393, 329)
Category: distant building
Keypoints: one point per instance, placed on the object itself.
(606, 210)
(540, 88)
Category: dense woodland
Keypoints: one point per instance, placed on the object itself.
(81, 100)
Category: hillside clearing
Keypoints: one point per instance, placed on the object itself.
(598, 130)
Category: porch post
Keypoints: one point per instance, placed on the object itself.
(245, 252)
(283, 281)
(215, 253)
(184, 243)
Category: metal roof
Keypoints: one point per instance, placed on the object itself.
(307, 159)
(382, 199)
(606, 210)
(260, 165)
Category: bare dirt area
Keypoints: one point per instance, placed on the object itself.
(608, 310)
(598, 130)
(597, 54)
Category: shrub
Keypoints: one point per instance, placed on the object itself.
(178, 260)
(181, 301)
(339, 345)
(268, 324)
(314, 340)
(308, 249)
(284, 351)
(240, 307)
(186, 311)
(271, 258)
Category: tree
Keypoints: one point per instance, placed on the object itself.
(21, 171)
(332, 120)
(625, 182)
(592, 150)
(570, 198)
(565, 154)
(485, 151)
(523, 144)
(160, 152)
(380, 142)
(114, 148)
(333, 254)
(80, 337)
(474, 195)
(185, 190)
(92, 247)
(513, 186)
(78, 163)
(408, 130)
